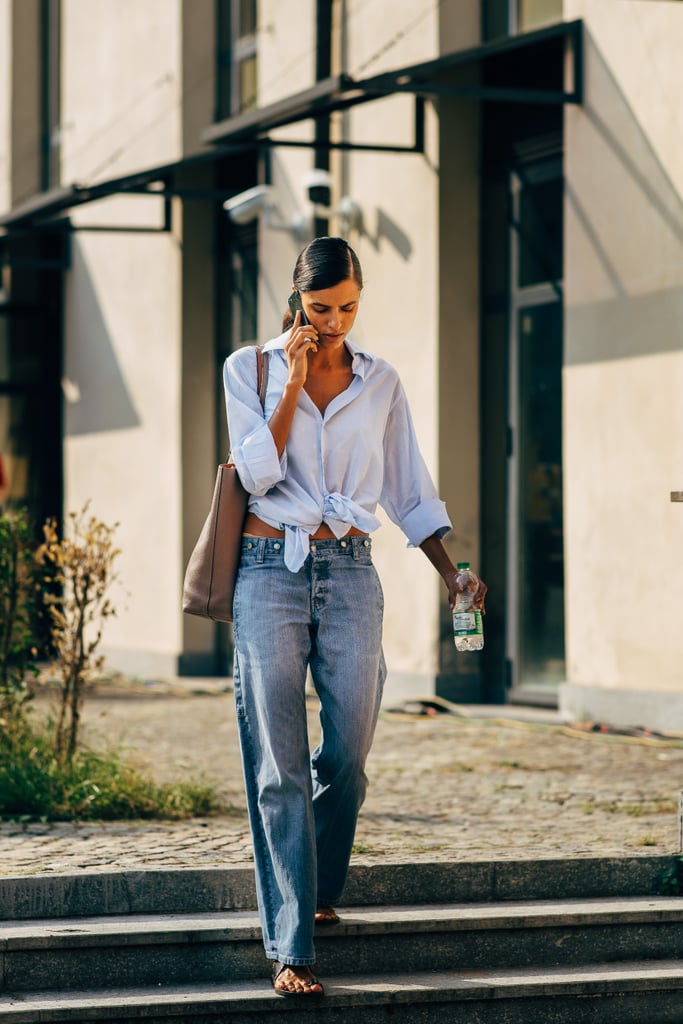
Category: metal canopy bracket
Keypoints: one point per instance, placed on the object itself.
(418, 145)
(427, 79)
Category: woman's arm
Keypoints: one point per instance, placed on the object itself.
(436, 553)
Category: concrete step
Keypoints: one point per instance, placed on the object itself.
(210, 890)
(626, 993)
(109, 952)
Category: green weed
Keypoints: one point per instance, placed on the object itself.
(36, 784)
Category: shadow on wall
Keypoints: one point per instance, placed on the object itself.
(388, 229)
(628, 237)
(96, 396)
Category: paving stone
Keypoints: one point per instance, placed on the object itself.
(446, 786)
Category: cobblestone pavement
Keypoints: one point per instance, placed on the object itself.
(443, 786)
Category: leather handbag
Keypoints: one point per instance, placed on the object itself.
(211, 572)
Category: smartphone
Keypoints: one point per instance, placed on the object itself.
(295, 306)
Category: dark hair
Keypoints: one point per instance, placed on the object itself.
(324, 263)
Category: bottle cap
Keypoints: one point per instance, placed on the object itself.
(463, 565)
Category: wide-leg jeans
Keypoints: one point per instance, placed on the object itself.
(303, 807)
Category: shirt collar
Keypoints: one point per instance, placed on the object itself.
(361, 357)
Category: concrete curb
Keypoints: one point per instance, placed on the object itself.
(208, 890)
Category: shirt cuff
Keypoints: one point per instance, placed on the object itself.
(428, 518)
(258, 463)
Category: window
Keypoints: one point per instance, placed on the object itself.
(30, 367)
(237, 86)
(507, 17)
(245, 288)
(535, 13)
(540, 231)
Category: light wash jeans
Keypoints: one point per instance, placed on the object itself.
(303, 807)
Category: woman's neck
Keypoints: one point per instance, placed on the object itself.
(326, 360)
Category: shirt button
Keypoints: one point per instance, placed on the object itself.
(366, 543)
(277, 546)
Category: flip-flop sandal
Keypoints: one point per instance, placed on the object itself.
(278, 968)
(325, 917)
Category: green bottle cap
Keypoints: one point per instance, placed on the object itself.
(463, 565)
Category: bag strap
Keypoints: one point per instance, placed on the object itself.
(262, 362)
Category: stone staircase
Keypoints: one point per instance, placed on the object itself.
(538, 941)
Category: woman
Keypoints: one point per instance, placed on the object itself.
(334, 440)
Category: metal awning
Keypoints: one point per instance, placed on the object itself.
(508, 71)
(152, 181)
(507, 67)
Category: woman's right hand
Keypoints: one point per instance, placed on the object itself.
(303, 338)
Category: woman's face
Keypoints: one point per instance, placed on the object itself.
(332, 311)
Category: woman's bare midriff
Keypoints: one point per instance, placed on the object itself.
(255, 527)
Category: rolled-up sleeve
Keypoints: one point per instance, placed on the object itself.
(408, 492)
(253, 448)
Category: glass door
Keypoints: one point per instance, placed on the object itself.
(535, 636)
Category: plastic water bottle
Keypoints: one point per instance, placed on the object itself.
(468, 627)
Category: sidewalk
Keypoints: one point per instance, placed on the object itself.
(466, 783)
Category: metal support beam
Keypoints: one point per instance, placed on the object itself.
(418, 145)
(163, 229)
(505, 94)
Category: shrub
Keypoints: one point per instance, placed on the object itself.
(36, 783)
(43, 773)
(83, 565)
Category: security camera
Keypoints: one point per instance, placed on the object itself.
(247, 205)
(318, 184)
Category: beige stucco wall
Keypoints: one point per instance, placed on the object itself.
(25, 125)
(122, 440)
(121, 81)
(121, 86)
(624, 368)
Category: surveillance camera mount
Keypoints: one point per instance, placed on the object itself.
(258, 201)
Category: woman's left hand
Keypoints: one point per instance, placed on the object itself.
(438, 556)
(454, 590)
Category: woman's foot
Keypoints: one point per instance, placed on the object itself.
(326, 916)
(295, 980)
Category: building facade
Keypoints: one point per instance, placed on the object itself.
(510, 175)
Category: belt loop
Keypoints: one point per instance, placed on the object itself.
(355, 546)
(261, 549)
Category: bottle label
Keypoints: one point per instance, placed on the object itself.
(467, 623)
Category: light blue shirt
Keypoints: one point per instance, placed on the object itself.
(338, 467)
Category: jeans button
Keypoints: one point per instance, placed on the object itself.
(366, 543)
(277, 546)
(343, 543)
(249, 546)
(313, 547)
